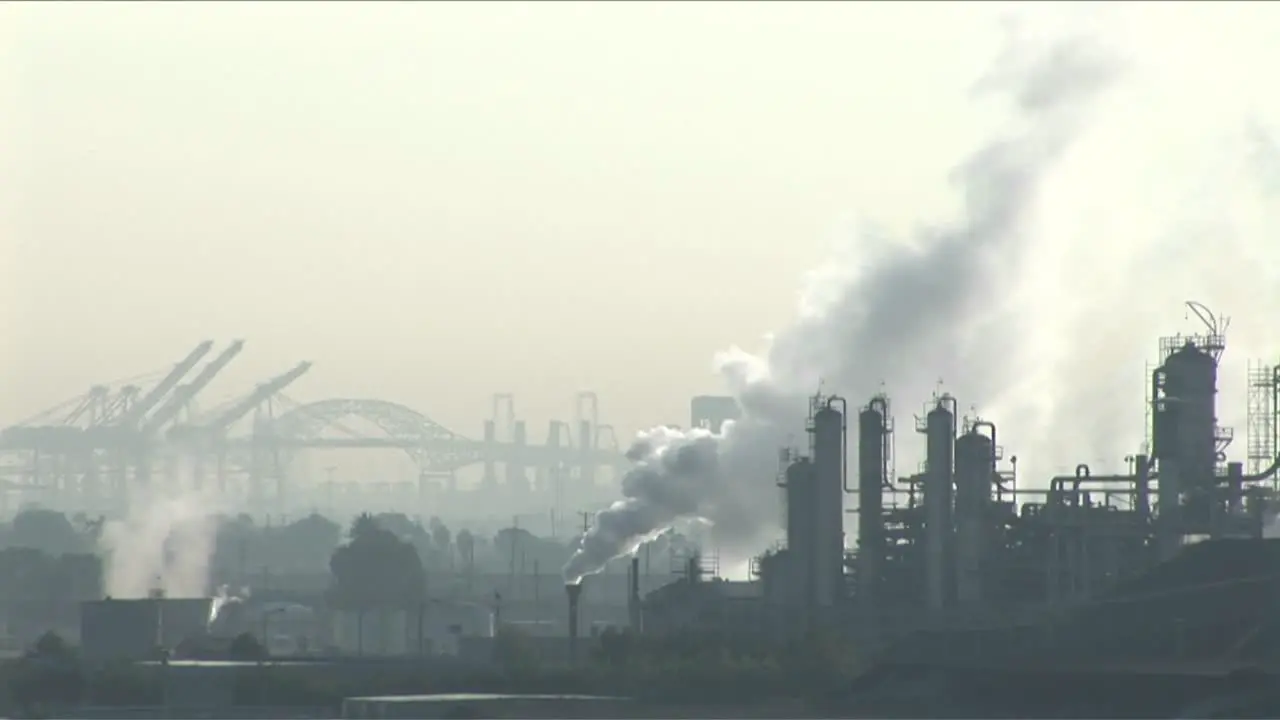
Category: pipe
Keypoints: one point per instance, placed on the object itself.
(1057, 485)
(574, 591)
(992, 460)
(992, 428)
(880, 404)
(949, 402)
(633, 597)
(1275, 466)
(1157, 384)
(1275, 411)
(1142, 478)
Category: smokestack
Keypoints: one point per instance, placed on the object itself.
(574, 591)
(633, 596)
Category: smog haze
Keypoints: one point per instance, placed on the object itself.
(435, 202)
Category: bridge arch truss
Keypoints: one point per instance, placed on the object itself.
(433, 447)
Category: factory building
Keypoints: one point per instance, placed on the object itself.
(435, 628)
(966, 541)
(139, 629)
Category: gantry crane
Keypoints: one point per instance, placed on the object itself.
(211, 433)
(138, 409)
(183, 394)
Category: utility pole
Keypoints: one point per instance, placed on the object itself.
(586, 521)
(511, 576)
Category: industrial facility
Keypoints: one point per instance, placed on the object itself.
(965, 541)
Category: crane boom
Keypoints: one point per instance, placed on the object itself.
(184, 393)
(139, 409)
(262, 392)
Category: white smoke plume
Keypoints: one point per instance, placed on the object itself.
(1086, 223)
(1271, 529)
(874, 324)
(165, 541)
(226, 604)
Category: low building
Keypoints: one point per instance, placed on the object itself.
(696, 604)
(136, 629)
(434, 628)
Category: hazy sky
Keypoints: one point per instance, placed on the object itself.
(435, 202)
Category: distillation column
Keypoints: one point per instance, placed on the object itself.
(940, 428)
(974, 476)
(1185, 445)
(801, 500)
(830, 467)
(873, 438)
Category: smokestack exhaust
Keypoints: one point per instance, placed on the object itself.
(633, 596)
(574, 591)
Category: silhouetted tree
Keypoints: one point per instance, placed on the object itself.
(376, 569)
(440, 534)
(246, 648)
(403, 527)
(48, 675)
(33, 576)
(46, 530)
(466, 544)
(308, 542)
(526, 549)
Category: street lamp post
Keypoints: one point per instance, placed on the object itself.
(266, 616)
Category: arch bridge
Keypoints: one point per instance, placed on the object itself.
(435, 449)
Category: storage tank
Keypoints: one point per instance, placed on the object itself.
(940, 429)
(872, 429)
(830, 463)
(974, 473)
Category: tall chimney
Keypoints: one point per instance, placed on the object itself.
(633, 596)
(574, 591)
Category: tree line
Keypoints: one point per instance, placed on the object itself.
(305, 544)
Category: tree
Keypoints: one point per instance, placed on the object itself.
(403, 527)
(466, 544)
(308, 542)
(46, 530)
(47, 675)
(375, 569)
(246, 648)
(527, 549)
(440, 534)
